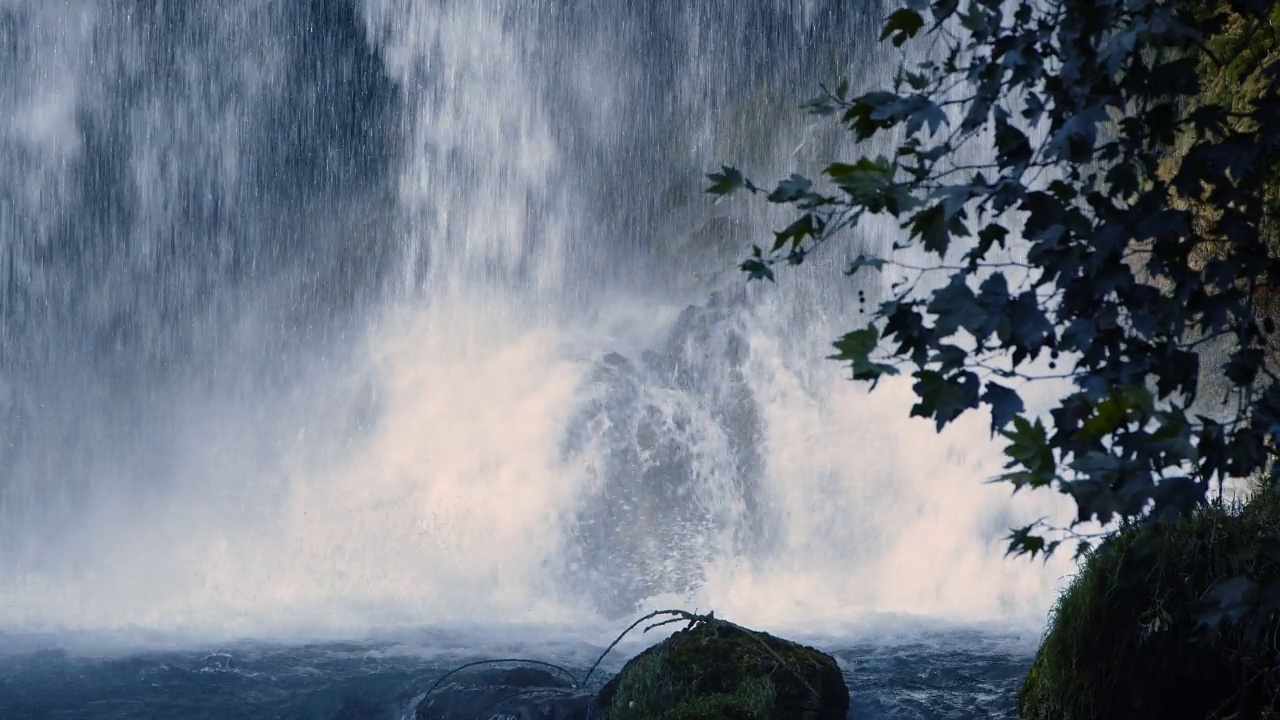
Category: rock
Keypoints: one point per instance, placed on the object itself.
(508, 694)
(721, 671)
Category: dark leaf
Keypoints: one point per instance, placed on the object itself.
(948, 358)
(1247, 452)
(1031, 327)
(795, 233)
(864, 261)
(1108, 416)
(1023, 542)
(993, 294)
(1123, 180)
(856, 348)
(727, 181)
(864, 116)
(791, 189)
(925, 113)
(988, 237)
(1005, 405)
(956, 307)
(930, 225)
(906, 325)
(902, 25)
(1095, 500)
(757, 269)
(1178, 373)
(944, 398)
(1243, 366)
(869, 184)
(1028, 449)
(1013, 149)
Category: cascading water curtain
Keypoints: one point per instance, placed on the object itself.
(329, 315)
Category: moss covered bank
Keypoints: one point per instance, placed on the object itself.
(1123, 640)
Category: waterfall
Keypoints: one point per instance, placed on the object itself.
(320, 316)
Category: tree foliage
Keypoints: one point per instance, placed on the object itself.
(1117, 223)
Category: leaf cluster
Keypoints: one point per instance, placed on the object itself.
(1119, 228)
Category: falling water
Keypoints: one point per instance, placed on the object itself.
(320, 317)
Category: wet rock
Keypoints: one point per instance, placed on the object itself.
(508, 694)
(721, 671)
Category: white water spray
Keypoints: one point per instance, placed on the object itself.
(465, 448)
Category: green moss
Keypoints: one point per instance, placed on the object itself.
(755, 699)
(717, 671)
(646, 690)
(1122, 641)
(1232, 75)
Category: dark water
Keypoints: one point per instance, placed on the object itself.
(952, 674)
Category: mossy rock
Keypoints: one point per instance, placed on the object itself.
(1123, 640)
(720, 671)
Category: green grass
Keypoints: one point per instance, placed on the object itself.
(1122, 641)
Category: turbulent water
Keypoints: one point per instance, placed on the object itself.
(917, 675)
(319, 318)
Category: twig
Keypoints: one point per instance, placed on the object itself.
(682, 614)
(691, 621)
